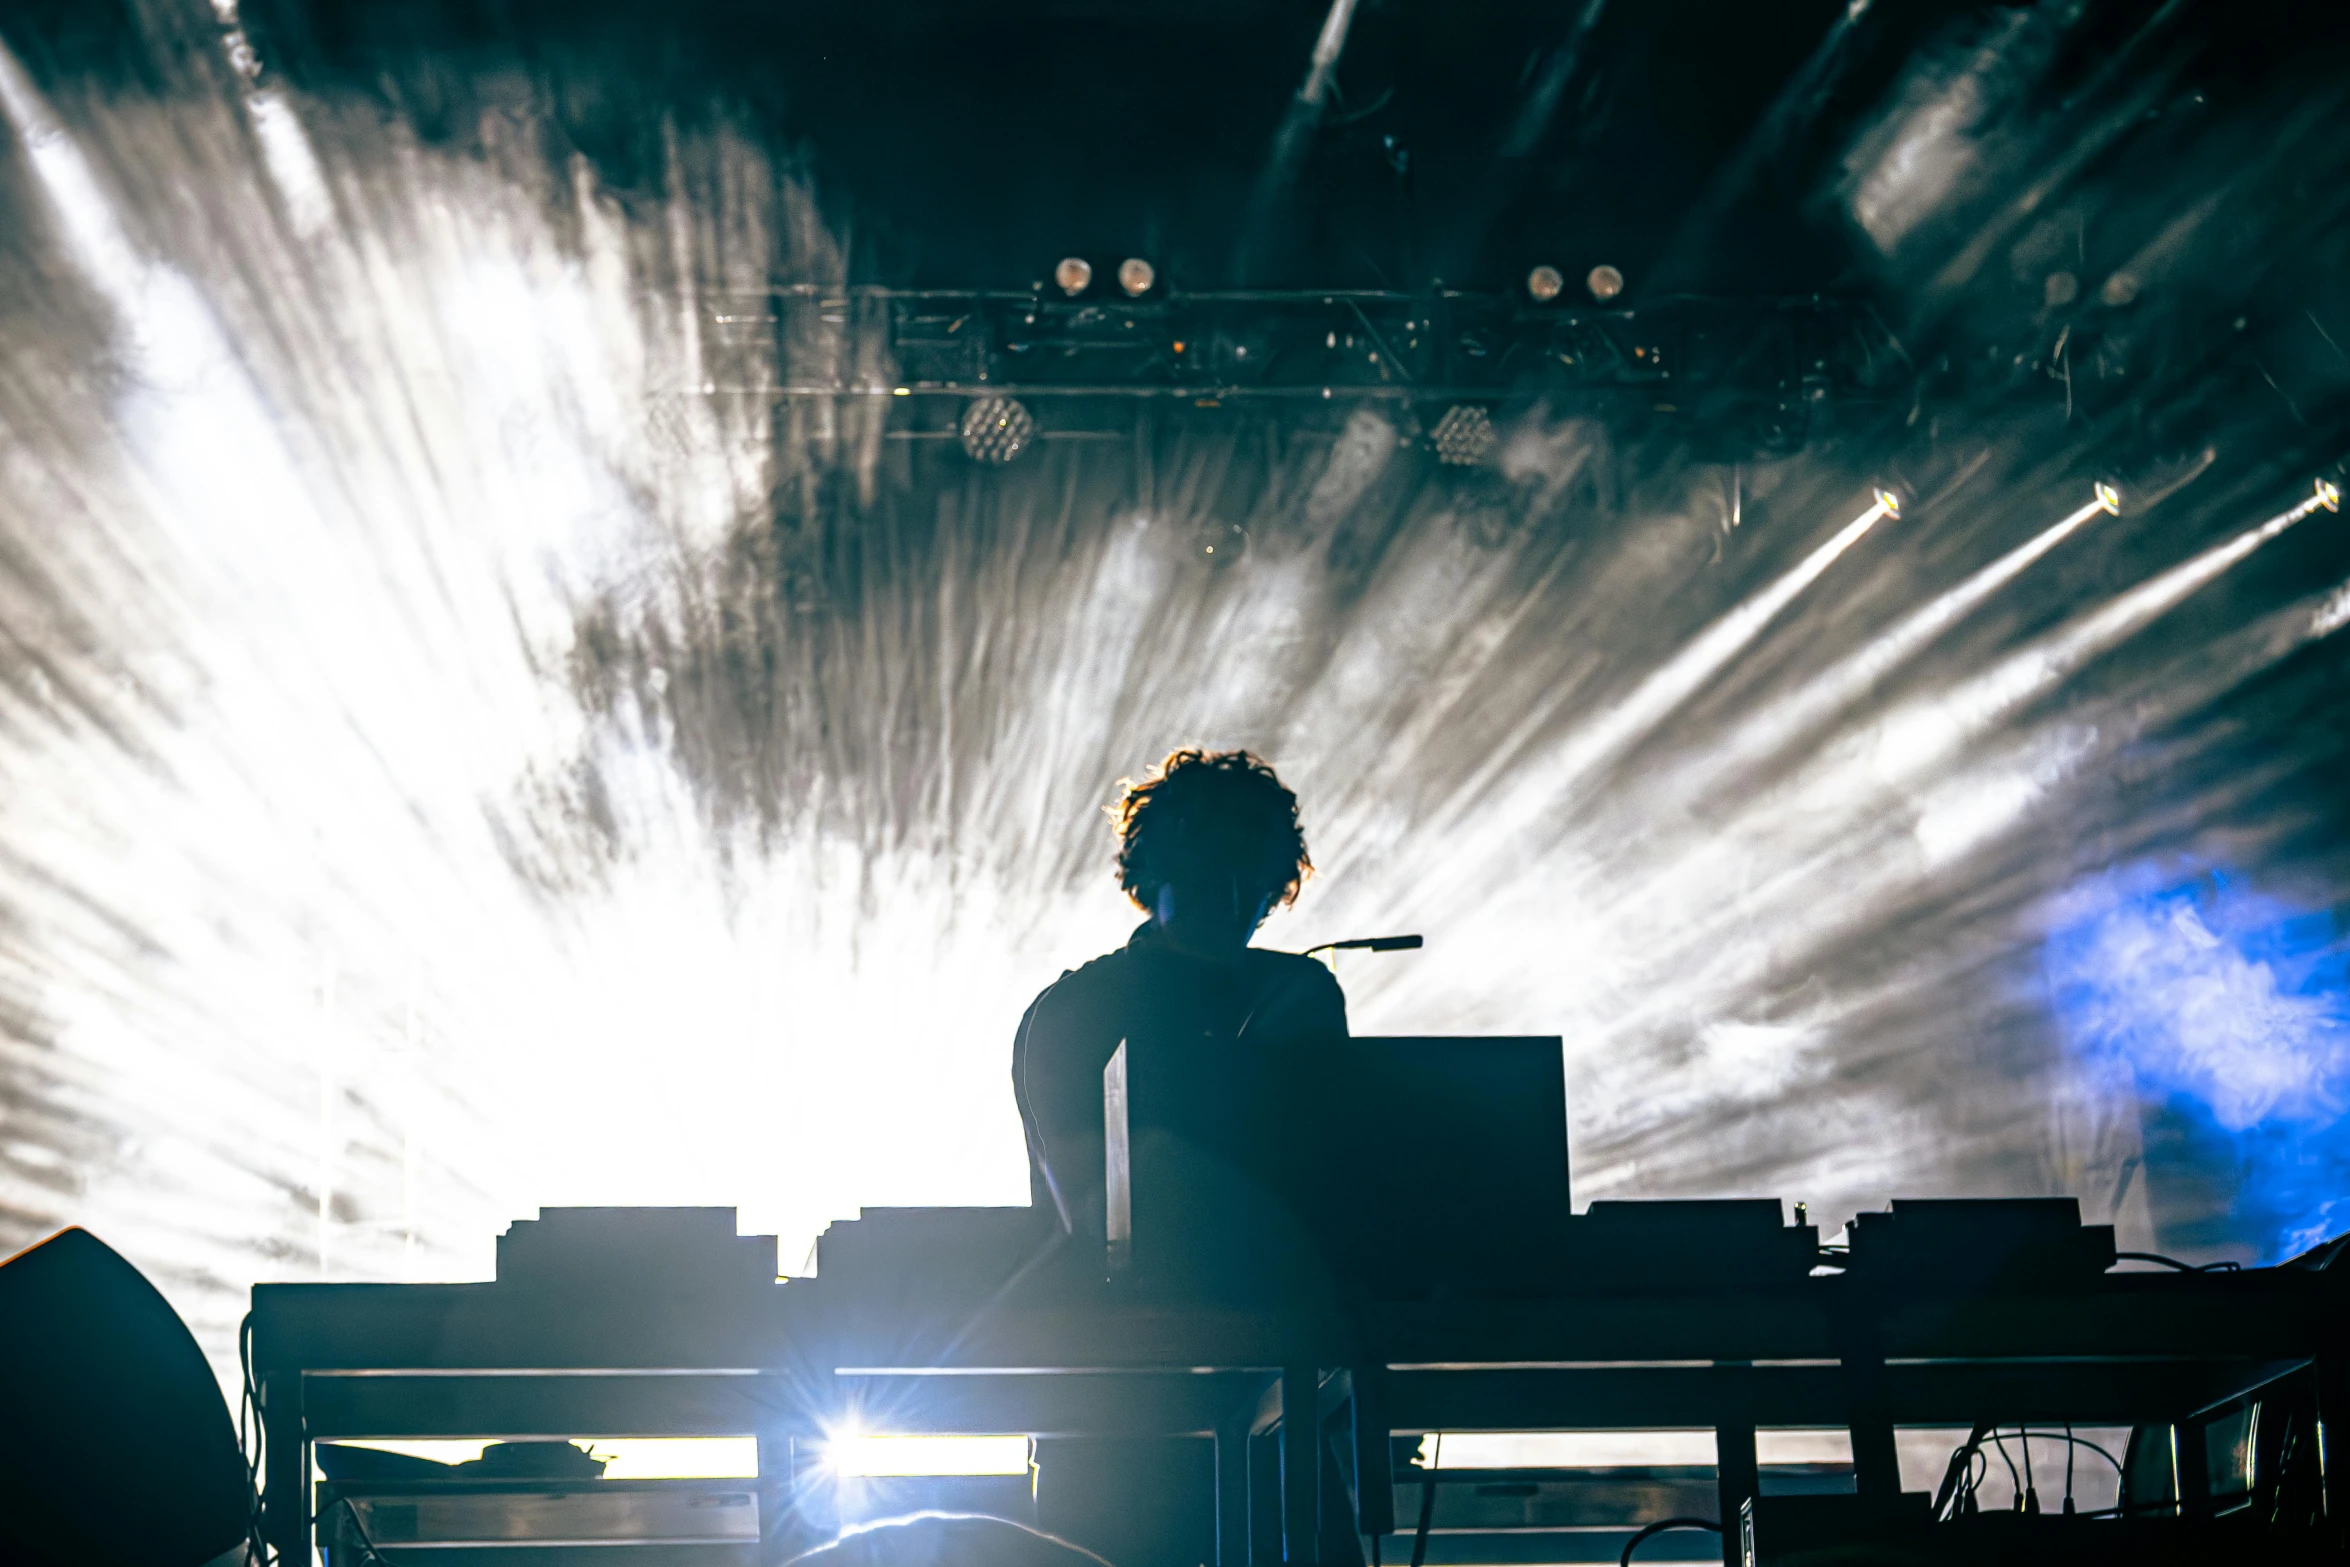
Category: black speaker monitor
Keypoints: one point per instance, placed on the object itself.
(117, 1449)
(1405, 1166)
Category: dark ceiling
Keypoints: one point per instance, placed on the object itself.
(974, 145)
(1688, 142)
(1717, 147)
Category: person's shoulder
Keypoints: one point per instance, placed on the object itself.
(1296, 994)
(1293, 968)
(1085, 983)
(1274, 957)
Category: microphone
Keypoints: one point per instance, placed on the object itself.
(1370, 944)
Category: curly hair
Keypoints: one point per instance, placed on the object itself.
(1224, 808)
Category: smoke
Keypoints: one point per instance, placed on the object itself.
(2234, 1008)
(469, 741)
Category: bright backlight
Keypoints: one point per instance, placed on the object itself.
(857, 1456)
(1621, 1449)
(678, 1457)
(1568, 1449)
(625, 1457)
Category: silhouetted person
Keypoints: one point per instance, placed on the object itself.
(1207, 846)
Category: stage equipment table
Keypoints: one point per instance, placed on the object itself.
(1301, 1404)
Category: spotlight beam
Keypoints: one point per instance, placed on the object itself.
(1540, 105)
(1921, 735)
(1503, 179)
(1328, 46)
(86, 220)
(1622, 726)
(1290, 141)
(1796, 107)
(1920, 749)
(1851, 679)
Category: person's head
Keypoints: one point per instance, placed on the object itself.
(1208, 845)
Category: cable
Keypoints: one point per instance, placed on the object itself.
(2068, 1468)
(1659, 1527)
(1960, 1482)
(1978, 1470)
(1427, 1503)
(1957, 1475)
(1427, 1517)
(2014, 1480)
(366, 1543)
(2081, 1441)
(2173, 1262)
(251, 1441)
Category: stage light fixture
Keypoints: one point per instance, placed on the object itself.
(1074, 274)
(1464, 435)
(2329, 496)
(1889, 503)
(1544, 283)
(1605, 282)
(2119, 290)
(996, 429)
(1136, 276)
(1220, 542)
(2109, 498)
(2061, 289)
